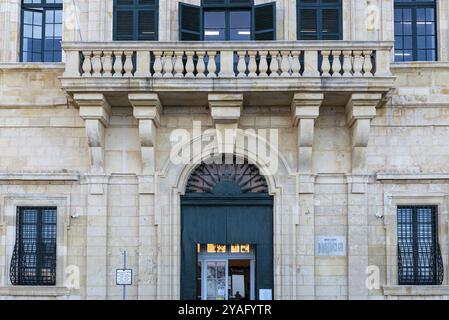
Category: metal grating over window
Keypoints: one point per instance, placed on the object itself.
(34, 258)
(419, 256)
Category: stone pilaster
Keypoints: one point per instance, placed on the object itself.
(95, 110)
(360, 110)
(305, 110)
(147, 109)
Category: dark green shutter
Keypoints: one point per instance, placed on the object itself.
(135, 20)
(308, 20)
(265, 21)
(124, 22)
(190, 22)
(319, 19)
(147, 25)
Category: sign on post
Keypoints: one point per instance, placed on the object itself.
(124, 277)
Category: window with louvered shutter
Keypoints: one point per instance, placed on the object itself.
(135, 20)
(218, 20)
(228, 3)
(190, 22)
(319, 19)
(265, 21)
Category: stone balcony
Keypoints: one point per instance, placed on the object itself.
(265, 73)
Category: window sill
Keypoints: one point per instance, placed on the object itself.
(419, 64)
(38, 291)
(32, 65)
(416, 290)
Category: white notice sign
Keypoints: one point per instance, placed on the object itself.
(328, 246)
(124, 277)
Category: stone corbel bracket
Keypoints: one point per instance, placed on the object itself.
(147, 108)
(225, 110)
(96, 111)
(305, 110)
(360, 110)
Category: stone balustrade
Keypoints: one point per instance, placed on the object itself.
(256, 59)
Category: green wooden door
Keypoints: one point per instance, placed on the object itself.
(226, 220)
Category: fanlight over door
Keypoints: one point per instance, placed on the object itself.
(226, 179)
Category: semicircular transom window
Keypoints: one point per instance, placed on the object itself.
(226, 179)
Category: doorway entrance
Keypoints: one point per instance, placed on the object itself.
(226, 272)
(226, 234)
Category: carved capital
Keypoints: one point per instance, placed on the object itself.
(305, 110)
(147, 109)
(362, 106)
(93, 106)
(360, 110)
(306, 106)
(95, 110)
(146, 106)
(226, 107)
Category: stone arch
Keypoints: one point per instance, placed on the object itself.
(171, 185)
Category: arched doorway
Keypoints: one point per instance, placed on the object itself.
(226, 233)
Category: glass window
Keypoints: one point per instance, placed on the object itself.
(41, 31)
(221, 25)
(419, 256)
(415, 30)
(214, 25)
(34, 258)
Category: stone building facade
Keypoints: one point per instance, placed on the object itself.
(361, 136)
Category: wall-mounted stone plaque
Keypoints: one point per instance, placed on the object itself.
(330, 246)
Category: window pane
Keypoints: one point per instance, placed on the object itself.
(41, 26)
(415, 30)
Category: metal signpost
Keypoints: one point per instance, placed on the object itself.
(124, 277)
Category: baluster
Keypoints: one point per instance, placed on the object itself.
(347, 66)
(96, 64)
(263, 65)
(200, 66)
(336, 64)
(128, 66)
(190, 67)
(87, 64)
(325, 64)
(274, 66)
(241, 65)
(367, 64)
(285, 63)
(107, 63)
(157, 66)
(168, 65)
(211, 65)
(358, 63)
(252, 65)
(118, 64)
(179, 65)
(296, 65)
